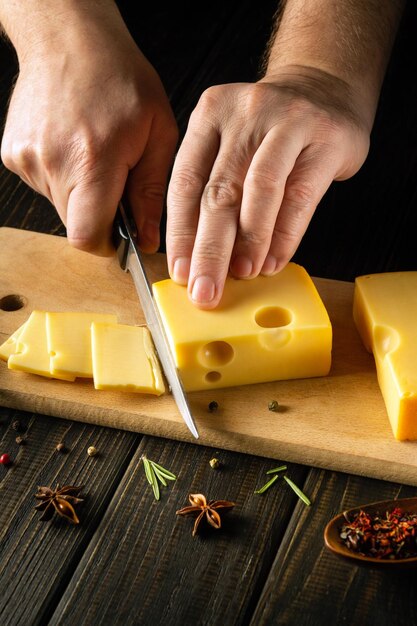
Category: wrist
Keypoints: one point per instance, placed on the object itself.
(38, 30)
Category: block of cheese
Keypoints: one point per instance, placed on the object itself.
(31, 351)
(265, 329)
(124, 359)
(9, 346)
(385, 314)
(69, 341)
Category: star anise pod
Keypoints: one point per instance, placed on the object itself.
(205, 509)
(61, 500)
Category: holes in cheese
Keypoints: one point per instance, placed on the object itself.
(385, 313)
(265, 329)
(118, 357)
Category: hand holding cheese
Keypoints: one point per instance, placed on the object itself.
(257, 158)
(269, 328)
(385, 313)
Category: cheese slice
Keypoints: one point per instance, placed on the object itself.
(9, 346)
(385, 314)
(265, 329)
(69, 341)
(124, 359)
(31, 351)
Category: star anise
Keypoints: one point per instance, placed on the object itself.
(61, 500)
(205, 509)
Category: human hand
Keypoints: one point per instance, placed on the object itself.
(89, 119)
(254, 163)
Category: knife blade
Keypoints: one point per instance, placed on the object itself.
(130, 260)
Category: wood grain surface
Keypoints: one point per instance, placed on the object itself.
(131, 561)
(337, 422)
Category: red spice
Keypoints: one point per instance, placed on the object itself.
(5, 459)
(392, 536)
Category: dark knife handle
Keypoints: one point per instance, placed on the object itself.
(123, 226)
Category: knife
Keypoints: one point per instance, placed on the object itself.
(130, 259)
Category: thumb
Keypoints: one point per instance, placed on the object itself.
(90, 214)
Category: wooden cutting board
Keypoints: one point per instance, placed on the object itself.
(336, 422)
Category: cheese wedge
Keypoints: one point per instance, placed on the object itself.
(124, 359)
(9, 346)
(31, 351)
(265, 329)
(69, 341)
(385, 314)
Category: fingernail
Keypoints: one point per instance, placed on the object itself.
(203, 290)
(181, 270)
(242, 267)
(270, 265)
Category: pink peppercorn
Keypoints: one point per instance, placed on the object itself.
(5, 459)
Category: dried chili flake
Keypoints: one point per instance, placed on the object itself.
(392, 535)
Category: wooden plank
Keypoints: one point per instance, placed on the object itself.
(338, 422)
(37, 558)
(144, 567)
(317, 588)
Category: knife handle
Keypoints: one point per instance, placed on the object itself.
(123, 226)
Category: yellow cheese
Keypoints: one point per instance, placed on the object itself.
(265, 329)
(124, 359)
(385, 313)
(69, 341)
(9, 346)
(31, 351)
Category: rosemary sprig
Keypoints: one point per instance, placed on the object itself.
(298, 491)
(155, 472)
(281, 468)
(268, 484)
(275, 471)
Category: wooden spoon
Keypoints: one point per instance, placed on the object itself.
(336, 545)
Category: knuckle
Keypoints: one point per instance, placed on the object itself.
(210, 254)
(150, 190)
(301, 196)
(222, 194)
(254, 238)
(187, 182)
(257, 179)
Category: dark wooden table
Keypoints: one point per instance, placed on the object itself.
(132, 560)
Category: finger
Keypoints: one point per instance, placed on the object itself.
(189, 176)
(312, 175)
(218, 223)
(262, 196)
(90, 213)
(147, 183)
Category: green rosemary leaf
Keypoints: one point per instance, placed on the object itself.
(268, 484)
(159, 476)
(298, 491)
(166, 473)
(148, 470)
(155, 486)
(281, 468)
(150, 475)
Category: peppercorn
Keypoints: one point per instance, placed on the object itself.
(61, 447)
(20, 440)
(92, 451)
(213, 406)
(5, 459)
(215, 463)
(273, 405)
(17, 426)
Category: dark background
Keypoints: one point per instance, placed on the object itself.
(363, 225)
